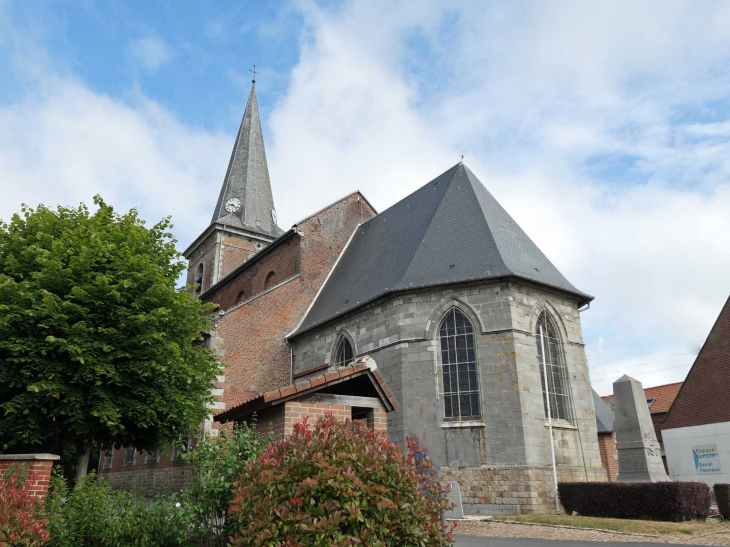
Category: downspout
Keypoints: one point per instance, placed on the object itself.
(577, 425)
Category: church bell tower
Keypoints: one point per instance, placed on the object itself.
(244, 219)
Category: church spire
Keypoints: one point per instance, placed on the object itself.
(245, 200)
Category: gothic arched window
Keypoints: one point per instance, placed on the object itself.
(343, 354)
(199, 279)
(557, 387)
(459, 367)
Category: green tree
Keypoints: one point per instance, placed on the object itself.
(98, 346)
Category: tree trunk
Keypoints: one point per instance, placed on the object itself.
(82, 464)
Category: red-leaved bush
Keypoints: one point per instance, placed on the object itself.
(18, 524)
(338, 484)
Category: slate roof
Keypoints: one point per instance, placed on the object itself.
(247, 178)
(604, 414)
(363, 367)
(663, 397)
(449, 231)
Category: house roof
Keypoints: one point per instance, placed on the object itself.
(247, 179)
(704, 397)
(332, 381)
(449, 231)
(663, 396)
(604, 414)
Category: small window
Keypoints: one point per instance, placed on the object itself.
(152, 457)
(270, 280)
(108, 455)
(199, 279)
(558, 388)
(650, 401)
(129, 457)
(459, 368)
(344, 353)
(241, 297)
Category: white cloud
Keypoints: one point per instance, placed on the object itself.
(150, 53)
(545, 103)
(601, 127)
(65, 144)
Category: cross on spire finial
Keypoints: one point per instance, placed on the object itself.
(254, 73)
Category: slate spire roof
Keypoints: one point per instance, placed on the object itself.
(246, 184)
(449, 231)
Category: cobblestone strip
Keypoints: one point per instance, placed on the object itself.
(565, 533)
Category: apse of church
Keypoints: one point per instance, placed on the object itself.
(452, 318)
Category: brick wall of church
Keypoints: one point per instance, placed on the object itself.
(609, 454)
(283, 261)
(400, 333)
(251, 335)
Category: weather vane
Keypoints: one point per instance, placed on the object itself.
(254, 73)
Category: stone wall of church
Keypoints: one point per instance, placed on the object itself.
(494, 490)
(400, 334)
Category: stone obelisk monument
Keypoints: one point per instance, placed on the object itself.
(639, 454)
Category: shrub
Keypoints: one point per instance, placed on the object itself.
(94, 515)
(338, 485)
(722, 497)
(673, 501)
(18, 524)
(215, 465)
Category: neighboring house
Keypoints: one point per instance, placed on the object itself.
(606, 436)
(659, 400)
(457, 305)
(696, 430)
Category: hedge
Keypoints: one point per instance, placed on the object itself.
(672, 501)
(722, 498)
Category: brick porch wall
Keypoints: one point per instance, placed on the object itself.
(281, 420)
(38, 467)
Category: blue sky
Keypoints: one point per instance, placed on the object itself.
(602, 127)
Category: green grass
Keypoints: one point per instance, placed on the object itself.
(624, 525)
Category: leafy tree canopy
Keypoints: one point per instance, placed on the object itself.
(98, 346)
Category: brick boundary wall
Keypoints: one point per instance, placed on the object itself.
(39, 465)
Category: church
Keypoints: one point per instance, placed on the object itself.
(437, 319)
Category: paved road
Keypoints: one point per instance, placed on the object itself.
(464, 541)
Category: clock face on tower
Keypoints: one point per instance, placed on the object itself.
(233, 205)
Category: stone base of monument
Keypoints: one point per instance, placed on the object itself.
(490, 510)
